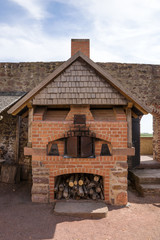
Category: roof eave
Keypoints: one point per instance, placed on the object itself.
(125, 92)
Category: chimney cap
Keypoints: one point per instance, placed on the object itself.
(80, 40)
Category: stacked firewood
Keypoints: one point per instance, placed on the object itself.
(79, 186)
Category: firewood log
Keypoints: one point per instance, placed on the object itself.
(65, 192)
(85, 190)
(75, 188)
(101, 195)
(80, 191)
(98, 189)
(87, 181)
(91, 185)
(57, 184)
(71, 181)
(91, 191)
(59, 195)
(67, 180)
(77, 197)
(81, 180)
(76, 179)
(94, 196)
(96, 178)
(61, 187)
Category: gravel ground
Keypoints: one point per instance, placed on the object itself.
(20, 219)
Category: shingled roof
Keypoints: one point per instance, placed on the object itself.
(142, 80)
(7, 101)
(79, 56)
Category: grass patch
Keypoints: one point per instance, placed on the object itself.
(146, 134)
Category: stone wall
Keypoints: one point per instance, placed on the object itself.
(8, 143)
(156, 137)
(118, 182)
(24, 161)
(23, 77)
(8, 137)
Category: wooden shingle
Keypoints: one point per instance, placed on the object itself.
(79, 84)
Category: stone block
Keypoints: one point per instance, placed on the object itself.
(121, 199)
(119, 187)
(40, 189)
(40, 198)
(43, 180)
(120, 174)
(8, 173)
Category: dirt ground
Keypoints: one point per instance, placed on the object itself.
(20, 219)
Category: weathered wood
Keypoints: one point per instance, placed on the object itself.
(91, 185)
(98, 189)
(57, 184)
(24, 115)
(30, 120)
(61, 187)
(65, 192)
(85, 190)
(94, 196)
(80, 191)
(91, 191)
(96, 178)
(76, 179)
(18, 124)
(8, 173)
(81, 180)
(129, 127)
(101, 195)
(59, 195)
(71, 181)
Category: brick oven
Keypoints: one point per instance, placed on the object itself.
(80, 132)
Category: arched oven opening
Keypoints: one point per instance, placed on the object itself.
(79, 186)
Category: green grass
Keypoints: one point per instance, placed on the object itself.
(146, 134)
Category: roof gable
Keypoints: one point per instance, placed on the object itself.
(108, 78)
(79, 84)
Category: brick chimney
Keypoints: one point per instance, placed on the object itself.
(80, 45)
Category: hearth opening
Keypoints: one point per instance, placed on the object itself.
(79, 186)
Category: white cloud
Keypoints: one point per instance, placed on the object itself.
(36, 8)
(31, 44)
(123, 31)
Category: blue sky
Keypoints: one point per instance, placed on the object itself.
(41, 30)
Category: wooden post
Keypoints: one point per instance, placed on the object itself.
(30, 119)
(129, 127)
(18, 124)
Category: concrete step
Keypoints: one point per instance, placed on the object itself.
(146, 175)
(146, 181)
(88, 209)
(149, 165)
(150, 189)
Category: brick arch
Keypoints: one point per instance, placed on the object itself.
(102, 173)
(55, 137)
(104, 137)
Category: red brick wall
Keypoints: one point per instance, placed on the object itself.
(58, 165)
(115, 133)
